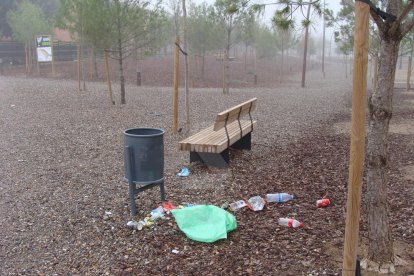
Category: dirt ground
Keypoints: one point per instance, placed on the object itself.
(64, 206)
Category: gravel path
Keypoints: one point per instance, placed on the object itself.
(61, 166)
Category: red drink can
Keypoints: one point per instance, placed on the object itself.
(322, 202)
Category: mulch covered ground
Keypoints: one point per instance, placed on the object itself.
(64, 206)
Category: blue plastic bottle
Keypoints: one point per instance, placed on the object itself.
(279, 197)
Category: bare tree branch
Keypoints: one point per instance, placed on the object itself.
(401, 17)
(407, 26)
(378, 20)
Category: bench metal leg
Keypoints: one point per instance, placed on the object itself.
(220, 160)
(244, 143)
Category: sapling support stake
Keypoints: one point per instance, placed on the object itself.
(357, 149)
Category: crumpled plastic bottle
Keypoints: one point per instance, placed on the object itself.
(257, 203)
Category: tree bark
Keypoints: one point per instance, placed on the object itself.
(121, 57)
(283, 56)
(375, 78)
(121, 73)
(410, 59)
(245, 58)
(203, 64)
(186, 72)
(226, 65)
(380, 250)
(176, 83)
(305, 48)
(26, 52)
(95, 64)
(323, 42)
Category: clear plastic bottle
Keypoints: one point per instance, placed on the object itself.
(289, 222)
(279, 197)
(237, 205)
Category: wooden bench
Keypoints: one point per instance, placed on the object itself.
(211, 145)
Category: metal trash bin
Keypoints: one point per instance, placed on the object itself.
(143, 161)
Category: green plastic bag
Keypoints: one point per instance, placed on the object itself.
(205, 223)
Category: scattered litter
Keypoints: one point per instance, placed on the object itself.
(157, 213)
(237, 205)
(205, 223)
(175, 251)
(256, 203)
(137, 225)
(147, 221)
(184, 172)
(279, 197)
(107, 215)
(289, 222)
(322, 202)
(12, 105)
(168, 206)
(225, 205)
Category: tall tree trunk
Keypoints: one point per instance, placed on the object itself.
(30, 57)
(203, 64)
(375, 77)
(410, 59)
(26, 51)
(255, 65)
(305, 48)
(380, 250)
(283, 56)
(121, 72)
(245, 58)
(120, 54)
(226, 65)
(95, 64)
(323, 42)
(346, 66)
(186, 77)
(401, 58)
(78, 52)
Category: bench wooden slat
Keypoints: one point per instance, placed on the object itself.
(232, 114)
(212, 141)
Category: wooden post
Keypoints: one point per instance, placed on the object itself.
(357, 152)
(79, 68)
(108, 77)
(176, 83)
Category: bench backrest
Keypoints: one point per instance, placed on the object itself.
(232, 114)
